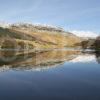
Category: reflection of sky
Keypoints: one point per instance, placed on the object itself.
(84, 58)
(71, 14)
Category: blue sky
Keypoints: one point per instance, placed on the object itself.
(70, 14)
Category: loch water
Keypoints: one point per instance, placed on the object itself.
(50, 75)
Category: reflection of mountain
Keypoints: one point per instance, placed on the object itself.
(43, 60)
(36, 60)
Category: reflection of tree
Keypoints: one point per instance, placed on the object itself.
(7, 56)
(97, 53)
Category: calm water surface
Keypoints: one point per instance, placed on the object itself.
(52, 75)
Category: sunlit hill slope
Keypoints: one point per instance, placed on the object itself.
(30, 36)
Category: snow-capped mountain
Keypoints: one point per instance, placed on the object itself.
(85, 34)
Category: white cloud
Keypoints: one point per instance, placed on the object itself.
(85, 33)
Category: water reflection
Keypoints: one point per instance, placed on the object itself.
(43, 60)
(97, 54)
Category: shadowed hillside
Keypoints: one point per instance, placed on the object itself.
(91, 43)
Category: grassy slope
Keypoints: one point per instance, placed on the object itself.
(23, 38)
(55, 38)
(20, 40)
